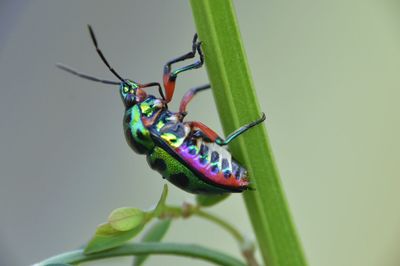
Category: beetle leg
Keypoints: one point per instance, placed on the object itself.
(152, 84)
(189, 96)
(170, 76)
(239, 131)
(212, 136)
(201, 130)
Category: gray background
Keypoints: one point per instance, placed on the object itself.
(327, 76)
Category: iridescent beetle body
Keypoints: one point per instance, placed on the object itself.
(173, 149)
(188, 154)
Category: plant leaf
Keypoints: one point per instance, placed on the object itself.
(210, 200)
(161, 203)
(106, 237)
(154, 234)
(125, 218)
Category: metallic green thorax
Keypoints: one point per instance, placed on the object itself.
(139, 107)
(137, 135)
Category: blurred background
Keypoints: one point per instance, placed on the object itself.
(327, 76)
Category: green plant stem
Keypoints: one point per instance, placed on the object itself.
(246, 247)
(195, 251)
(237, 105)
(188, 210)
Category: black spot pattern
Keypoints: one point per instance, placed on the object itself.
(236, 170)
(214, 156)
(237, 174)
(214, 169)
(227, 174)
(192, 150)
(180, 180)
(158, 165)
(234, 166)
(203, 150)
(225, 163)
(140, 135)
(202, 160)
(127, 118)
(136, 146)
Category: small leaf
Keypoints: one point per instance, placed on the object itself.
(154, 234)
(125, 218)
(107, 237)
(161, 203)
(210, 200)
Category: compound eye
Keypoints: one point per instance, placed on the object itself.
(126, 89)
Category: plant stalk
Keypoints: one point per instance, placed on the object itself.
(237, 105)
(187, 250)
(188, 210)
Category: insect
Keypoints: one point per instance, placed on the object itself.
(188, 154)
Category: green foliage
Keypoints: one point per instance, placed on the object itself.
(106, 237)
(133, 249)
(161, 202)
(154, 234)
(123, 224)
(125, 218)
(237, 105)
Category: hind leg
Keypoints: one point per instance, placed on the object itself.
(208, 133)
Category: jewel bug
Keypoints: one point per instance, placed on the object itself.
(187, 153)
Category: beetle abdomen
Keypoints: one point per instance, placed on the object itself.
(213, 162)
(179, 174)
(207, 162)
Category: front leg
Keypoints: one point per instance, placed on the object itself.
(169, 77)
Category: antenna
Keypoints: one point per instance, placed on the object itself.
(85, 76)
(103, 58)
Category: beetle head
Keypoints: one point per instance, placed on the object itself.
(131, 93)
